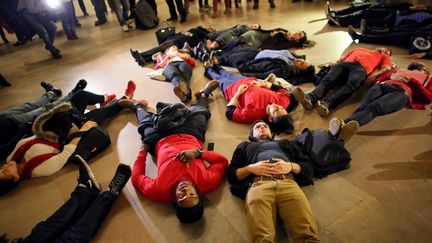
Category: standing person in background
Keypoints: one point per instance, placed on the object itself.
(256, 4)
(67, 17)
(8, 9)
(83, 7)
(35, 14)
(180, 9)
(121, 9)
(100, 9)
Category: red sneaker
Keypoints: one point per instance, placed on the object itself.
(109, 98)
(129, 93)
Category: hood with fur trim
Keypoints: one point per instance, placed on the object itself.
(42, 119)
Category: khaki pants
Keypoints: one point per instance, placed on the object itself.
(266, 198)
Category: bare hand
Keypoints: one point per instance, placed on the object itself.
(88, 125)
(242, 88)
(258, 84)
(187, 156)
(262, 168)
(281, 166)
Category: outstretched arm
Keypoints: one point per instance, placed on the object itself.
(139, 180)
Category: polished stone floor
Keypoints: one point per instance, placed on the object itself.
(384, 197)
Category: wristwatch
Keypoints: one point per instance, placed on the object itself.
(200, 152)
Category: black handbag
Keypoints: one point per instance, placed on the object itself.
(92, 142)
(170, 117)
(164, 33)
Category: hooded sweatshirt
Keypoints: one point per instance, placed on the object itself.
(42, 153)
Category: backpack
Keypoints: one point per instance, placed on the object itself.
(327, 153)
(170, 117)
(145, 16)
(92, 142)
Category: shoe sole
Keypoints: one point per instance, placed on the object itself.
(300, 96)
(208, 88)
(348, 131)
(322, 111)
(122, 171)
(95, 183)
(179, 91)
(334, 126)
(131, 87)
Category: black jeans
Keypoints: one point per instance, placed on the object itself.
(172, 8)
(147, 55)
(381, 99)
(99, 9)
(82, 99)
(195, 124)
(82, 7)
(177, 72)
(77, 220)
(236, 56)
(350, 74)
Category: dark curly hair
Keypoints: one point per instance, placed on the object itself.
(6, 186)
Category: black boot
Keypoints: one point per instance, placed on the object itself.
(48, 87)
(4, 82)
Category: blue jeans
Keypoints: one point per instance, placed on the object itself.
(350, 74)
(225, 78)
(27, 112)
(77, 220)
(43, 26)
(121, 8)
(381, 99)
(68, 18)
(177, 72)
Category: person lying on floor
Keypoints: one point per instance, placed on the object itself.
(267, 173)
(380, 14)
(80, 217)
(251, 100)
(175, 136)
(192, 37)
(177, 68)
(355, 68)
(54, 142)
(255, 37)
(220, 38)
(394, 90)
(15, 123)
(417, 39)
(260, 64)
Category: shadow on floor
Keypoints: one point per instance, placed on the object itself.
(402, 171)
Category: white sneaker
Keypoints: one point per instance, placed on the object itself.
(335, 126)
(125, 28)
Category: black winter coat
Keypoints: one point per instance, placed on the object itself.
(247, 152)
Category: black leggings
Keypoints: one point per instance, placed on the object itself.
(82, 99)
